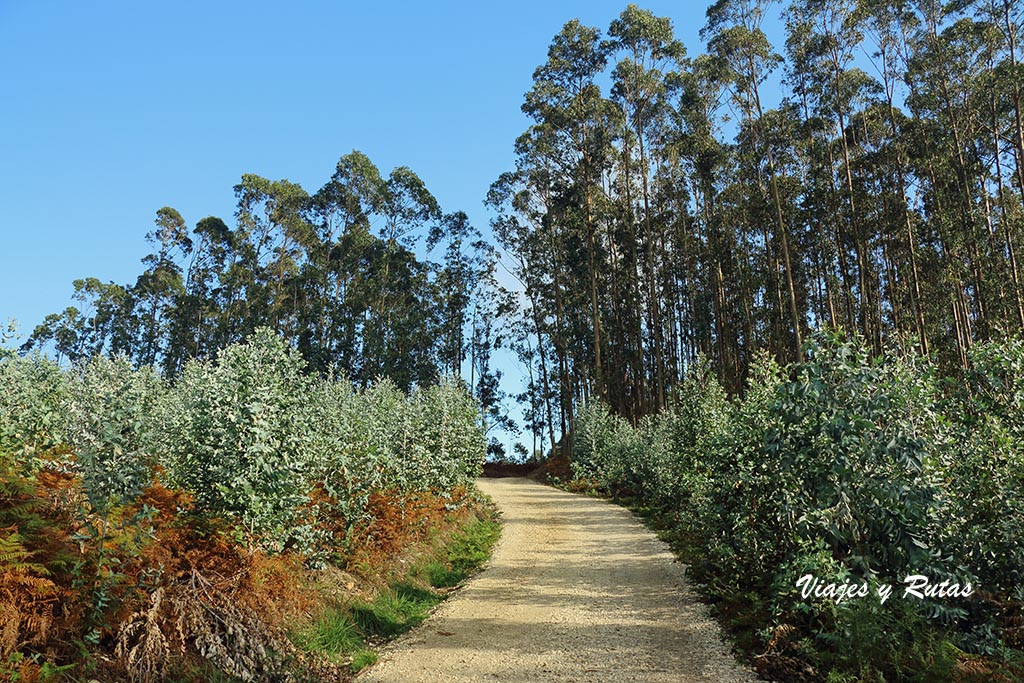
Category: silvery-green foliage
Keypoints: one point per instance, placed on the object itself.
(983, 517)
(409, 452)
(453, 439)
(732, 467)
(232, 433)
(334, 459)
(593, 456)
(253, 437)
(841, 466)
(657, 467)
(352, 447)
(8, 332)
(845, 452)
(630, 451)
(692, 429)
(618, 456)
(109, 415)
(379, 435)
(33, 394)
(380, 439)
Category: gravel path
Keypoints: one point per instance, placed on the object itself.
(577, 590)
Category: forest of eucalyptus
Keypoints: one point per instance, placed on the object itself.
(791, 335)
(335, 274)
(659, 210)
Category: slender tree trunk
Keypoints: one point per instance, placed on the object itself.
(1018, 117)
(908, 227)
(654, 307)
(783, 233)
(1004, 221)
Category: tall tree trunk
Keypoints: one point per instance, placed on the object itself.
(653, 302)
(1004, 220)
(783, 235)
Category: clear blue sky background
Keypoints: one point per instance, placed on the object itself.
(111, 110)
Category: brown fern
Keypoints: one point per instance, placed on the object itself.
(142, 645)
(27, 597)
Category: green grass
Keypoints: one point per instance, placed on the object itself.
(395, 610)
(440, 574)
(466, 553)
(348, 632)
(336, 634)
(363, 659)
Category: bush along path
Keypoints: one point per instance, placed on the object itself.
(873, 474)
(243, 522)
(349, 631)
(577, 590)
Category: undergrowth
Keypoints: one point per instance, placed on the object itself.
(350, 632)
(843, 467)
(154, 531)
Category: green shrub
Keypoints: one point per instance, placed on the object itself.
(844, 467)
(33, 400)
(982, 516)
(109, 427)
(250, 434)
(231, 431)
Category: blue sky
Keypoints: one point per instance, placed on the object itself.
(111, 110)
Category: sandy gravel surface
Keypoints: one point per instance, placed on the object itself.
(577, 590)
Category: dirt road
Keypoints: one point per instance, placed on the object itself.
(577, 590)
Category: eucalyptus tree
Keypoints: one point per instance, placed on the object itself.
(160, 284)
(336, 274)
(336, 267)
(649, 51)
(196, 324)
(1009, 17)
(466, 258)
(997, 93)
(884, 22)
(941, 67)
(569, 110)
(824, 37)
(405, 207)
(707, 164)
(518, 200)
(735, 37)
(272, 231)
(490, 319)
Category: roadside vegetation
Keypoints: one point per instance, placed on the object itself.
(852, 470)
(247, 521)
(681, 223)
(349, 632)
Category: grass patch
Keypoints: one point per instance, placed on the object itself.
(344, 634)
(335, 634)
(466, 553)
(440, 575)
(395, 610)
(363, 659)
(348, 633)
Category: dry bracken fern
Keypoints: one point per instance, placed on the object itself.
(26, 598)
(141, 643)
(228, 635)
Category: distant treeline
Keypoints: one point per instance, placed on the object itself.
(335, 273)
